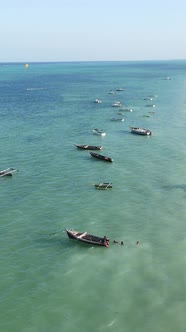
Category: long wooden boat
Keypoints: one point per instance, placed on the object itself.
(8, 172)
(101, 157)
(140, 131)
(103, 185)
(88, 147)
(88, 238)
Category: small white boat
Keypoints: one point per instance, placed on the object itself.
(117, 119)
(150, 105)
(99, 132)
(148, 98)
(98, 101)
(116, 104)
(127, 109)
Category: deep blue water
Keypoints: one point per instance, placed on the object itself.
(49, 283)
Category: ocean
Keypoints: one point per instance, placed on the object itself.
(49, 283)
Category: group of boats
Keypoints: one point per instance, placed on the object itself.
(134, 130)
(84, 236)
(94, 154)
(99, 156)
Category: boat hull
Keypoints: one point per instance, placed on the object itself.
(88, 238)
(103, 186)
(141, 131)
(8, 172)
(101, 157)
(99, 132)
(117, 119)
(88, 147)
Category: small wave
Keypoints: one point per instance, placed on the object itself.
(111, 323)
(35, 89)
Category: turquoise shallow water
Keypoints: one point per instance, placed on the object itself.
(49, 283)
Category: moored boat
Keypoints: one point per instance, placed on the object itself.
(8, 172)
(150, 105)
(117, 119)
(148, 98)
(98, 101)
(103, 185)
(88, 147)
(88, 238)
(99, 132)
(127, 109)
(101, 157)
(167, 78)
(140, 131)
(116, 104)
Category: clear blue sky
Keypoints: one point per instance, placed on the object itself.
(91, 30)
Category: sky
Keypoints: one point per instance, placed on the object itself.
(92, 30)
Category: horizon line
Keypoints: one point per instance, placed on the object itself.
(82, 61)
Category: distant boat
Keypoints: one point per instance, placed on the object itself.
(88, 238)
(150, 105)
(167, 78)
(127, 109)
(148, 98)
(99, 132)
(117, 119)
(98, 101)
(8, 172)
(140, 131)
(88, 147)
(101, 157)
(120, 89)
(103, 185)
(116, 104)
